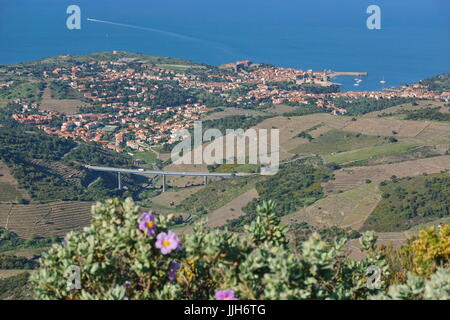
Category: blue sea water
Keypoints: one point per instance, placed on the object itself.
(413, 42)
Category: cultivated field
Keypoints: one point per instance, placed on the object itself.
(173, 198)
(67, 173)
(280, 109)
(386, 127)
(407, 106)
(231, 111)
(341, 140)
(8, 192)
(348, 209)
(354, 177)
(334, 140)
(9, 189)
(231, 210)
(227, 112)
(370, 153)
(10, 273)
(436, 132)
(55, 218)
(414, 153)
(289, 128)
(66, 106)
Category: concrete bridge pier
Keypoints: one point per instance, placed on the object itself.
(205, 180)
(119, 180)
(164, 182)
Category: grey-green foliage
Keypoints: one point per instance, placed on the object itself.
(416, 288)
(120, 261)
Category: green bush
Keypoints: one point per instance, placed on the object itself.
(126, 256)
(14, 262)
(416, 288)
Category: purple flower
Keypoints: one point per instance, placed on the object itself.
(127, 283)
(147, 223)
(167, 242)
(174, 266)
(225, 295)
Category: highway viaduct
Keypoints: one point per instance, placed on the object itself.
(164, 174)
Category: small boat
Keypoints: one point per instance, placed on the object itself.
(356, 84)
(382, 81)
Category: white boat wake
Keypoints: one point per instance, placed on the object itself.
(168, 33)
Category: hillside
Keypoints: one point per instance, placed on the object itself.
(440, 83)
(349, 162)
(408, 202)
(50, 168)
(73, 60)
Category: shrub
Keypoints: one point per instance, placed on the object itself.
(416, 288)
(399, 261)
(393, 140)
(14, 262)
(126, 256)
(431, 250)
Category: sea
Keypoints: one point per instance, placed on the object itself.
(412, 42)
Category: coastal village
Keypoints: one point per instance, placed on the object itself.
(122, 114)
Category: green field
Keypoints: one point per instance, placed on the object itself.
(370, 153)
(178, 67)
(148, 156)
(337, 141)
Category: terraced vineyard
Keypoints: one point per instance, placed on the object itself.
(350, 178)
(9, 189)
(65, 172)
(348, 209)
(8, 192)
(55, 218)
